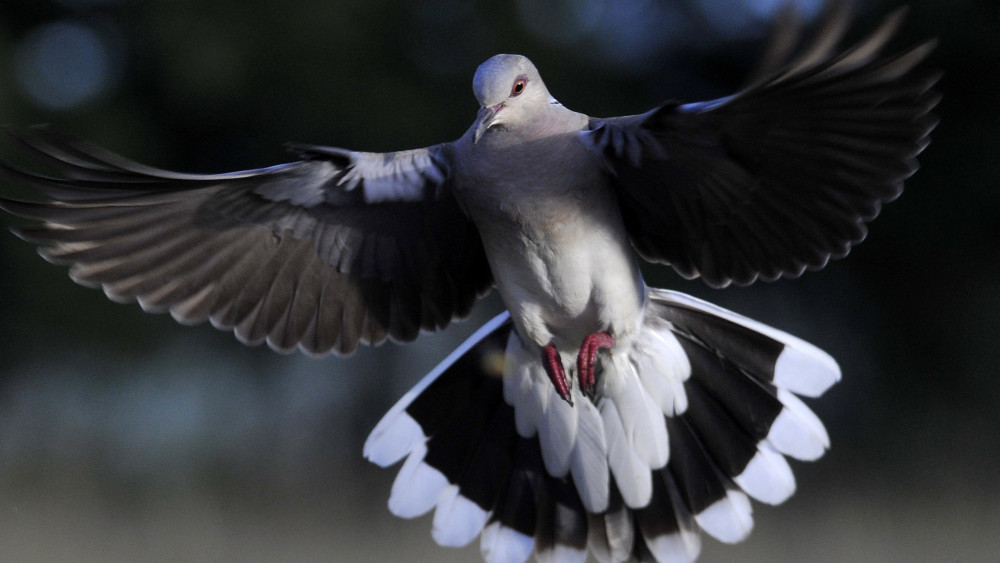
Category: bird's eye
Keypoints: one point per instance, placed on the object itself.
(518, 88)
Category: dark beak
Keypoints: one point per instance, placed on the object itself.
(486, 118)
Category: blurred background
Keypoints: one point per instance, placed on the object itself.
(124, 436)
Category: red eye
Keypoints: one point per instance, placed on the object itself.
(518, 88)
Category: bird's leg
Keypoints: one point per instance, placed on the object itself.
(585, 362)
(557, 374)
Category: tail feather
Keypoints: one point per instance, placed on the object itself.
(500, 544)
(704, 485)
(572, 438)
(510, 534)
(612, 533)
(729, 519)
(491, 463)
(417, 487)
(766, 353)
(662, 365)
(561, 535)
(457, 520)
(557, 434)
(719, 432)
(462, 510)
(399, 431)
(768, 477)
(641, 418)
(797, 431)
(698, 478)
(693, 418)
(632, 476)
(667, 527)
(525, 386)
(723, 386)
(590, 459)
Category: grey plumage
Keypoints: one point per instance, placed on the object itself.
(338, 249)
(693, 408)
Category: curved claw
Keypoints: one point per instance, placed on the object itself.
(556, 372)
(587, 359)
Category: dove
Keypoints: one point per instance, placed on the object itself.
(596, 415)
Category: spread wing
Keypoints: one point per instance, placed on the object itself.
(781, 176)
(337, 249)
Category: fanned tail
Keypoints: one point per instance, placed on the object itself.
(691, 420)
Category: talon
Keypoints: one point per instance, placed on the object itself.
(587, 359)
(556, 372)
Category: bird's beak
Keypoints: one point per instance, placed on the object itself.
(487, 117)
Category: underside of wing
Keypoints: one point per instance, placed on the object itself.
(783, 175)
(322, 254)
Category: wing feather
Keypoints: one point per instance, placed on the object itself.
(782, 176)
(337, 249)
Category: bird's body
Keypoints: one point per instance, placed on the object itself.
(620, 419)
(559, 251)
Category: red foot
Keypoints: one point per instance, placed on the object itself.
(588, 358)
(556, 372)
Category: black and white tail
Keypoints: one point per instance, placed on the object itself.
(695, 418)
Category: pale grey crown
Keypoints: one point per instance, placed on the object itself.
(495, 77)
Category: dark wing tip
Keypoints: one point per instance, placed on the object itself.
(784, 175)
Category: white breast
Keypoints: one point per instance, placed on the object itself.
(556, 242)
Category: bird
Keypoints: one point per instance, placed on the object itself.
(596, 415)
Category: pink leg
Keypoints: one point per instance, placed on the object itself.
(588, 358)
(556, 372)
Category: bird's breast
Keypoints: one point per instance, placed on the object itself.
(557, 246)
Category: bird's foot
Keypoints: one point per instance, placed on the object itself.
(587, 359)
(557, 374)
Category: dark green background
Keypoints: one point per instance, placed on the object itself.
(124, 436)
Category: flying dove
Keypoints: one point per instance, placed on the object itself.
(596, 414)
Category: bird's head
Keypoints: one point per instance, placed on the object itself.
(509, 89)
